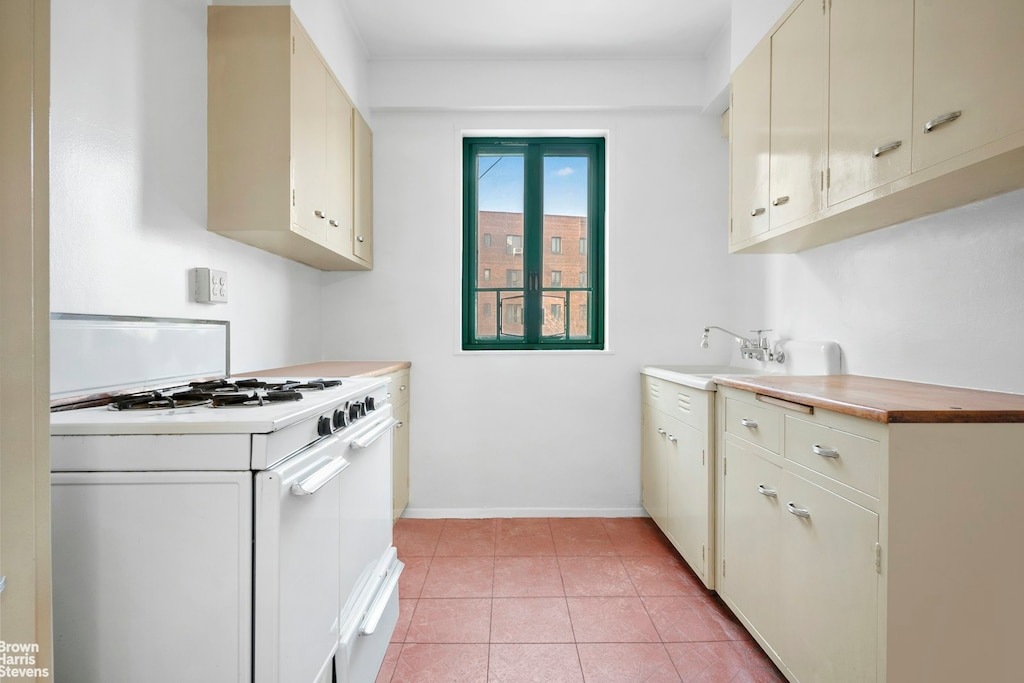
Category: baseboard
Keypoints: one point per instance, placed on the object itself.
(484, 513)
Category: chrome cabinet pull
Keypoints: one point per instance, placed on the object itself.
(360, 239)
(672, 438)
(779, 201)
(401, 388)
(662, 431)
(798, 511)
(333, 223)
(757, 212)
(882, 149)
(399, 425)
(765, 491)
(747, 422)
(3, 583)
(825, 451)
(319, 214)
(939, 120)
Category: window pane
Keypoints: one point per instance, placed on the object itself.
(499, 225)
(578, 309)
(556, 245)
(566, 184)
(556, 278)
(511, 311)
(554, 320)
(486, 325)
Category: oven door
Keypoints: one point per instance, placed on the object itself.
(297, 565)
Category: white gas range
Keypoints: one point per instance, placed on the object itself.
(233, 531)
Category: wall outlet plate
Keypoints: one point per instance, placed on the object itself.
(211, 286)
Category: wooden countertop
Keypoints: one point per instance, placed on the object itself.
(886, 400)
(335, 368)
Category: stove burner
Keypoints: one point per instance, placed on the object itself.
(154, 400)
(255, 398)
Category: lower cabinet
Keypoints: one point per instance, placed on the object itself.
(676, 475)
(399, 391)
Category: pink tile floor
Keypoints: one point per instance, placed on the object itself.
(552, 600)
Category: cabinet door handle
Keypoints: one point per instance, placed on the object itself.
(882, 149)
(798, 511)
(765, 491)
(401, 388)
(825, 451)
(333, 223)
(662, 431)
(399, 425)
(757, 212)
(360, 239)
(939, 120)
(672, 438)
(779, 201)
(319, 214)
(747, 422)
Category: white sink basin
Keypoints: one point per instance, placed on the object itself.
(697, 376)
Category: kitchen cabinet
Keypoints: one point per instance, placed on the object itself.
(400, 392)
(750, 109)
(675, 475)
(362, 247)
(965, 61)
(863, 544)
(283, 144)
(880, 112)
(870, 102)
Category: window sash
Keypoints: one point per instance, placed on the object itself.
(525, 304)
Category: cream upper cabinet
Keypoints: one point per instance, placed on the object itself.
(967, 86)
(362, 246)
(339, 176)
(281, 147)
(750, 111)
(870, 95)
(796, 170)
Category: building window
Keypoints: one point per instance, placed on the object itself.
(487, 310)
(535, 192)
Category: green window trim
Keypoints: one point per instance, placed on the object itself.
(528, 299)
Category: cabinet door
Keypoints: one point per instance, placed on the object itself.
(308, 131)
(339, 163)
(362, 247)
(654, 465)
(688, 513)
(967, 57)
(400, 460)
(828, 585)
(797, 115)
(749, 137)
(870, 95)
(750, 537)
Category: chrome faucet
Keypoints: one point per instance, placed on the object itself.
(752, 348)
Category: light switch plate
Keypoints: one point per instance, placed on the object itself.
(211, 286)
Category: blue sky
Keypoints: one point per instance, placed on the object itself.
(565, 185)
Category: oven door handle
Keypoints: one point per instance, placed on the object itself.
(380, 602)
(367, 439)
(320, 478)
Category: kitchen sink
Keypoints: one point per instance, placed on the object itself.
(699, 376)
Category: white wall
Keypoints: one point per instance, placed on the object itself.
(536, 433)
(128, 175)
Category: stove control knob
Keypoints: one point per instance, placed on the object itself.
(340, 418)
(370, 403)
(362, 407)
(354, 411)
(323, 426)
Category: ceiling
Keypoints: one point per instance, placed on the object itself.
(538, 29)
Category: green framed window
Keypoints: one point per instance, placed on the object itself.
(523, 199)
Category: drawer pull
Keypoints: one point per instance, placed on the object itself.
(747, 422)
(798, 511)
(825, 451)
(779, 201)
(319, 214)
(672, 438)
(662, 431)
(765, 491)
(939, 120)
(757, 212)
(879, 151)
